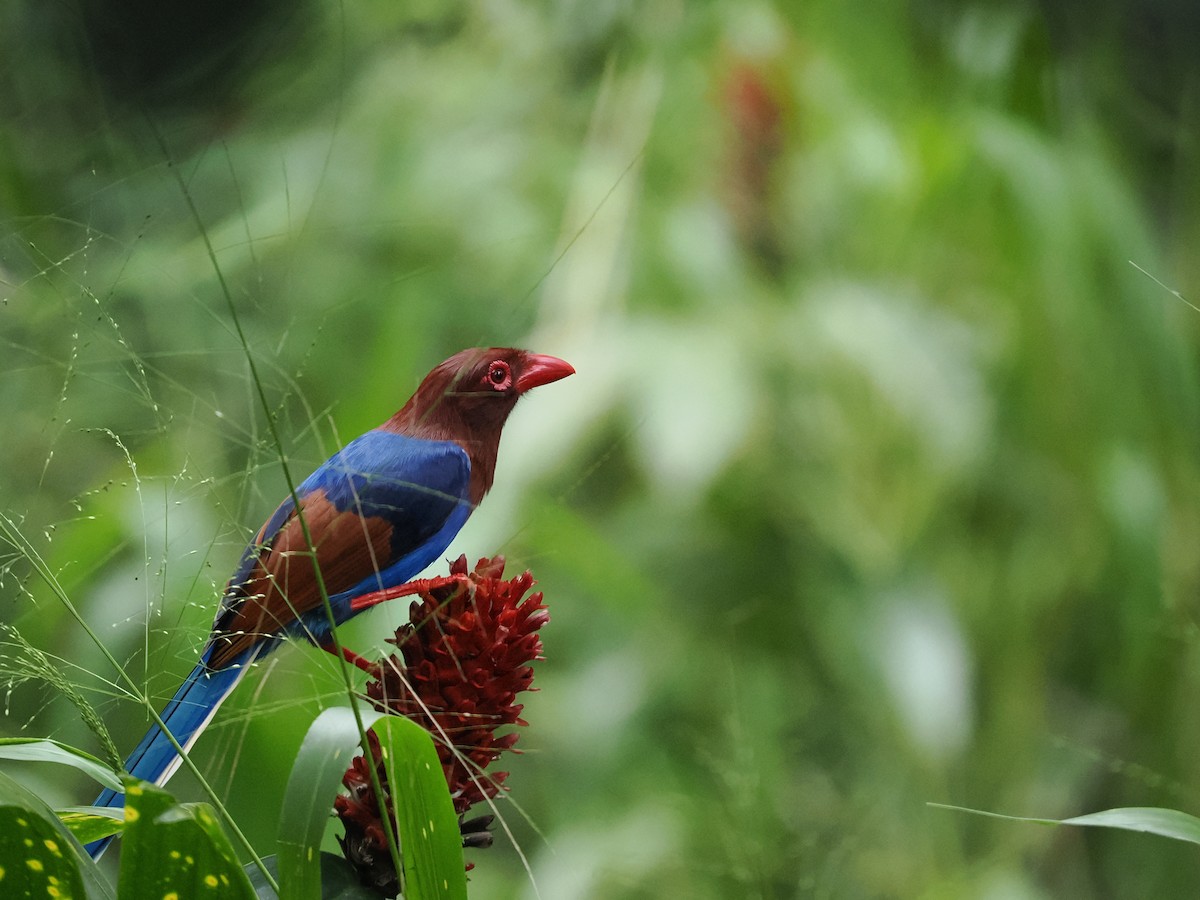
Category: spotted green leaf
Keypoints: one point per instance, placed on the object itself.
(38, 856)
(87, 824)
(172, 849)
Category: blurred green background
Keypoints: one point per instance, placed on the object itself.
(877, 483)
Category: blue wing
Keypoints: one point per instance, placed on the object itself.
(378, 512)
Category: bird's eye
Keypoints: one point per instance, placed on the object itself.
(499, 375)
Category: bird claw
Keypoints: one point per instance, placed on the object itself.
(366, 601)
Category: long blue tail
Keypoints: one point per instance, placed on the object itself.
(191, 709)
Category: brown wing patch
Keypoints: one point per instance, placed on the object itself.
(283, 585)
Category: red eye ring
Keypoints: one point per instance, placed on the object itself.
(499, 376)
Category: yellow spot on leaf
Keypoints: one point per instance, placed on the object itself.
(53, 891)
(52, 847)
(134, 791)
(170, 895)
(174, 854)
(1, 873)
(131, 815)
(211, 880)
(35, 864)
(28, 842)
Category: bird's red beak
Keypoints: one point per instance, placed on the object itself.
(537, 370)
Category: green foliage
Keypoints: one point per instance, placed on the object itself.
(34, 863)
(38, 856)
(429, 834)
(180, 850)
(87, 826)
(43, 750)
(173, 848)
(330, 744)
(338, 880)
(1169, 823)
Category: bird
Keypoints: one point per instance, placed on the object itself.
(377, 512)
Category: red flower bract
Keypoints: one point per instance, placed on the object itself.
(463, 658)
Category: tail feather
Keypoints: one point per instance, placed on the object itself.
(155, 758)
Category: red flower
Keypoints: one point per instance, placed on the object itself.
(463, 658)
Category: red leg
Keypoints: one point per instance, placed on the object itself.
(419, 586)
(353, 658)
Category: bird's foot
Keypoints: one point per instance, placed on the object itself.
(417, 586)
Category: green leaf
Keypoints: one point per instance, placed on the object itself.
(1151, 819)
(339, 881)
(432, 843)
(38, 855)
(176, 849)
(46, 750)
(324, 756)
(88, 824)
(1169, 823)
